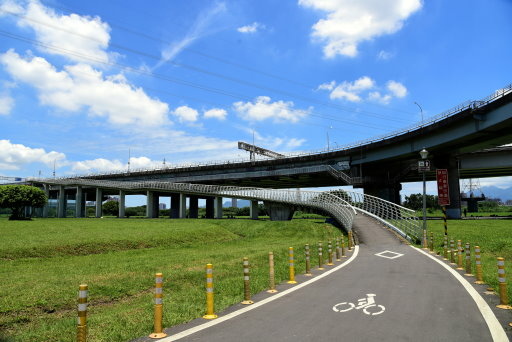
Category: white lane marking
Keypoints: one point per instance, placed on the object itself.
(257, 304)
(389, 255)
(497, 332)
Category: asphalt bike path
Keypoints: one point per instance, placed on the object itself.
(388, 291)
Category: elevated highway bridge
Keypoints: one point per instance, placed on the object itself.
(465, 140)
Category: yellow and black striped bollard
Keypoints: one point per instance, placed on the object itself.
(81, 329)
(338, 255)
(210, 312)
(444, 219)
(320, 257)
(308, 260)
(459, 255)
(329, 250)
(292, 266)
(452, 252)
(468, 260)
(271, 274)
(478, 266)
(431, 242)
(247, 283)
(158, 316)
(502, 279)
(445, 247)
(343, 246)
(350, 241)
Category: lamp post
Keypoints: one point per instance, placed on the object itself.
(425, 165)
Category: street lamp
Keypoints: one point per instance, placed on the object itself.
(425, 165)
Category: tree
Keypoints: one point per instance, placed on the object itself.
(111, 208)
(17, 197)
(415, 202)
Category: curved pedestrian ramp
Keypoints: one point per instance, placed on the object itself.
(340, 204)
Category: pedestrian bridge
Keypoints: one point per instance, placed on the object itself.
(339, 204)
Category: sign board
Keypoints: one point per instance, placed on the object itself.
(423, 165)
(443, 193)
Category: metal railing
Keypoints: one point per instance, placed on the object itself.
(340, 204)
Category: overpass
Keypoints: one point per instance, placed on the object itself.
(463, 140)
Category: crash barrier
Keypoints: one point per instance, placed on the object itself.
(210, 300)
(502, 282)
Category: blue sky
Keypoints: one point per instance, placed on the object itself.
(84, 83)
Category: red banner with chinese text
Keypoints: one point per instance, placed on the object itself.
(443, 193)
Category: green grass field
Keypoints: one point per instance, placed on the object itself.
(494, 237)
(43, 261)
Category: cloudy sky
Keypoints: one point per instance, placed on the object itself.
(85, 84)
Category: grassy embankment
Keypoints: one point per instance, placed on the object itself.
(43, 261)
(493, 236)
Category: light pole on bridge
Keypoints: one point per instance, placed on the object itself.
(424, 166)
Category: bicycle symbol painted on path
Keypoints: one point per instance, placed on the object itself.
(367, 304)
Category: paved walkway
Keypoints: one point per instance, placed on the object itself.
(416, 299)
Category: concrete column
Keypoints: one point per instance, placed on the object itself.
(254, 210)
(210, 207)
(183, 206)
(193, 206)
(453, 210)
(79, 202)
(122, 204)
(152, 199)
(389, 193)
(234, 203)
(61, 203)
(218, 208)
(99, 202)
(174, 212)
(47, 205)
(279, 211)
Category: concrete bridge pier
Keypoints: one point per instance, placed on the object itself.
(174, 212)
(99, 202)
(183, 206)
(61, 203)
(218, 208)
(152, 204)
(453, 210)
(193, 206)
(234, 203)
(390, 193)
(254, 210)
(279, 211)
(210, 207)
(122, 204)
(46, 189)
(79, 203)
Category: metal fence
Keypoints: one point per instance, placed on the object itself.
(340, 204)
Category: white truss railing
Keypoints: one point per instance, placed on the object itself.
(402, 220)
(339, 204)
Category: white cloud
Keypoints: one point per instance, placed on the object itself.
(294, 143)
(15, 156)
(80, 86)
(252, 28)
(80, 35)
(200, 28)
(350, 22)
(262, 109)
(397, 89)
(216, 113)
(102, 164)
(6, 104)
(384, 55)
(364, 87)
(185, 113)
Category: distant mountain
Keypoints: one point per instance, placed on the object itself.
(495, 192)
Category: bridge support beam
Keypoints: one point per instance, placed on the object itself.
(79, 202)
(193, 206)
(61, 206)
(47, 205)
(279, 211)
(122, 204)
(99, 202)
(218, 207)
(254, 210)
(210, 207)
(175, 206)
(152, 205)
(183, 206)
(389, 193)
(453, 210)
